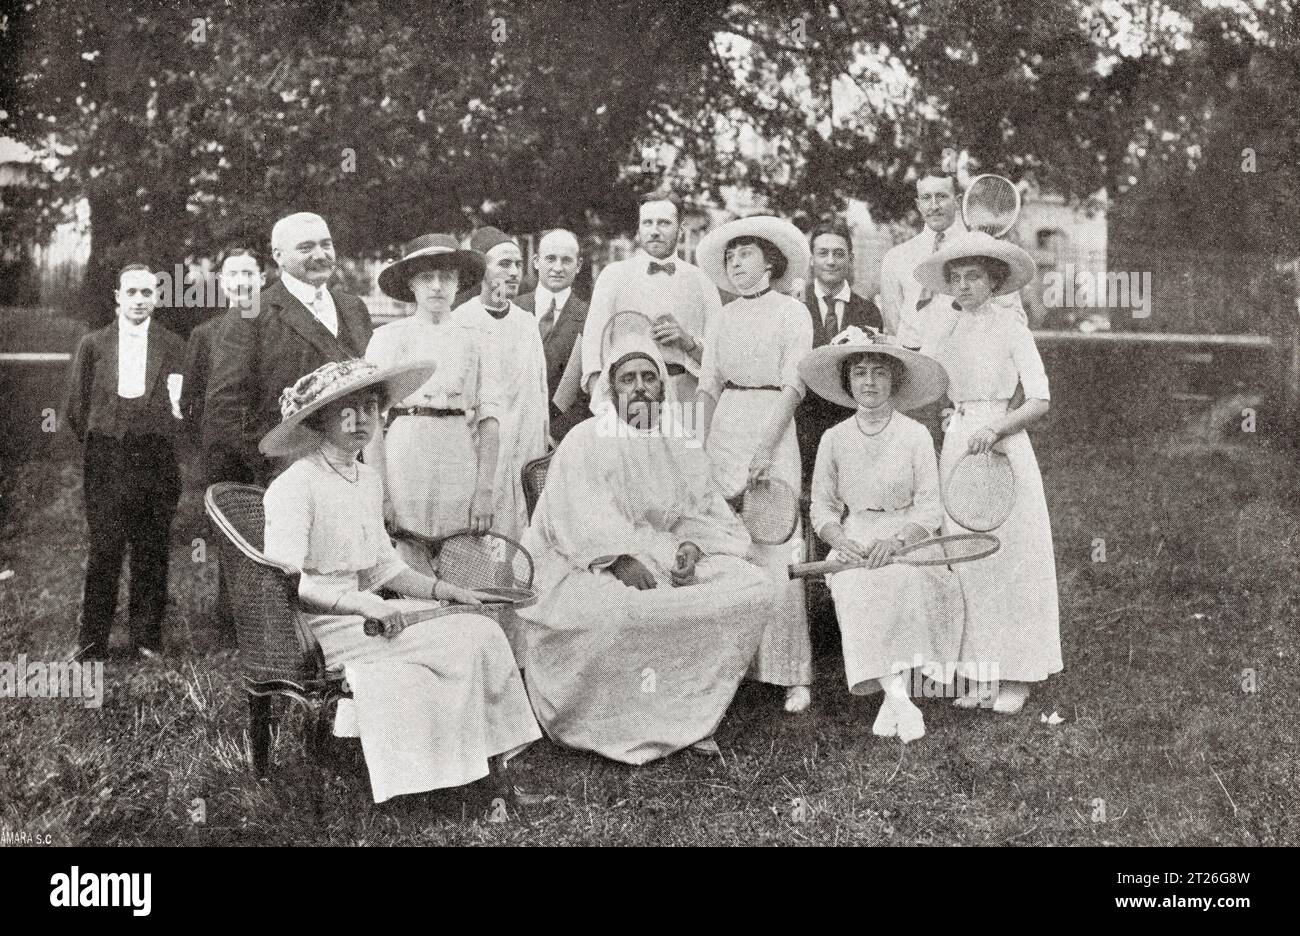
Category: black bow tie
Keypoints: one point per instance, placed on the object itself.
(669, 267)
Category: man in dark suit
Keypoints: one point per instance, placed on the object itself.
(124, 405)
(241, 280)
(561, 316)
(833, 307)
(296, 326)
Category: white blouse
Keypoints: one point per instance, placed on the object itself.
(985, 353)
(463, 379)
(756, 343)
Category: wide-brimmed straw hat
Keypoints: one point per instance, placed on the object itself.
(924, 379)
(929, 272)
(430, 252)
(710, 254)
(328, 383)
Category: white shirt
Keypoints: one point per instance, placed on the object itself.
(132, 354)
(318, 301)
(843, 296)
(542, 302)
(688, 294)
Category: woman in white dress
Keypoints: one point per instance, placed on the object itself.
(875, 489)
(750, 387)
(1012, 620)
(438, 454)
(438, 703)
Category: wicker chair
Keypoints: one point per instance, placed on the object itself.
(534, 479)
(278, 653)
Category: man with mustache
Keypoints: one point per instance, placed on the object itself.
(903, 300)
(299, 325)
(649, 613)
(561, 316)
(672, 293)
(513, 347)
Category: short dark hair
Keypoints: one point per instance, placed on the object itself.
(997, 271)
(132, 267)
(831, 226)
(239, 250)
(663, 195)
(897, 369)
(771, 253)
(936, 170)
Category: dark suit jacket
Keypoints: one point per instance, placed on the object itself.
(198, 369)
(558, 346)
(92, 403)
(815, 414)
(257, 358)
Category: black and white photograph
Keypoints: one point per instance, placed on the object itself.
(674, 423)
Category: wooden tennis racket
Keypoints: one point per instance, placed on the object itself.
(991, 204)
(938, 550)
(499, 598)
(981, 491)
(769, 510)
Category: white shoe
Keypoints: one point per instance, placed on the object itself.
(1011, 698)
(886, 723)
(911, 723)
(797, 699)
(707, 746)
(973, 696)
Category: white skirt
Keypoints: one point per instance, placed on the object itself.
(784, 657)
(1012, 623)
(432, 704)
(897, 617)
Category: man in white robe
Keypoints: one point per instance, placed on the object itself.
(514, 349)
(649, 613)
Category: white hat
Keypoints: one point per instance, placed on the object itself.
(924, 379)
(328, 383)
(929, 273)
(710, 254)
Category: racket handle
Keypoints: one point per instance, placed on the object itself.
(813, 569)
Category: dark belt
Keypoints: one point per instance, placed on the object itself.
(396, 411)
(735, 386)
(675, 370)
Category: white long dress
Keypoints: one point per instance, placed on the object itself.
(429, 463)
(896, 617)
(636, 675)
(1012, 616)
(432, 704)
(756, 343)
(514, 348)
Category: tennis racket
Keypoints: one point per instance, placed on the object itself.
(938, 550)
(475, 560)
(991, 204)
(500, 598)
(621, 324)
(981, 491)
(769, 510)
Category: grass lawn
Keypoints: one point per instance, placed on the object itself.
(1159, 744)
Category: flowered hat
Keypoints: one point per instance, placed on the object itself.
(331, 382)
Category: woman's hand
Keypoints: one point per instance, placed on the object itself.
(683, 573)
(760, 467)
(386, 613)
(850, 550)
(457, 595)
(480, 512)
(632, 572)
(982, 441)
(882, 551)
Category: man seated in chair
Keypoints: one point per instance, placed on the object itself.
(649, 613)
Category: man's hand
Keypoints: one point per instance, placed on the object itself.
(480, 512)
(630, 571)
(668, 331)
(683, 572)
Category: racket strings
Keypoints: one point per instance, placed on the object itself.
(990, 205)
(981, 492)
(483, 562)
(770, 512)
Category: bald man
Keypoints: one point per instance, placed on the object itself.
(298, 324)
(560, 318)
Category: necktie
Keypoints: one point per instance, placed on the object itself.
(832, 320)
(924, 299)
(547, 321)
(668, 267)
